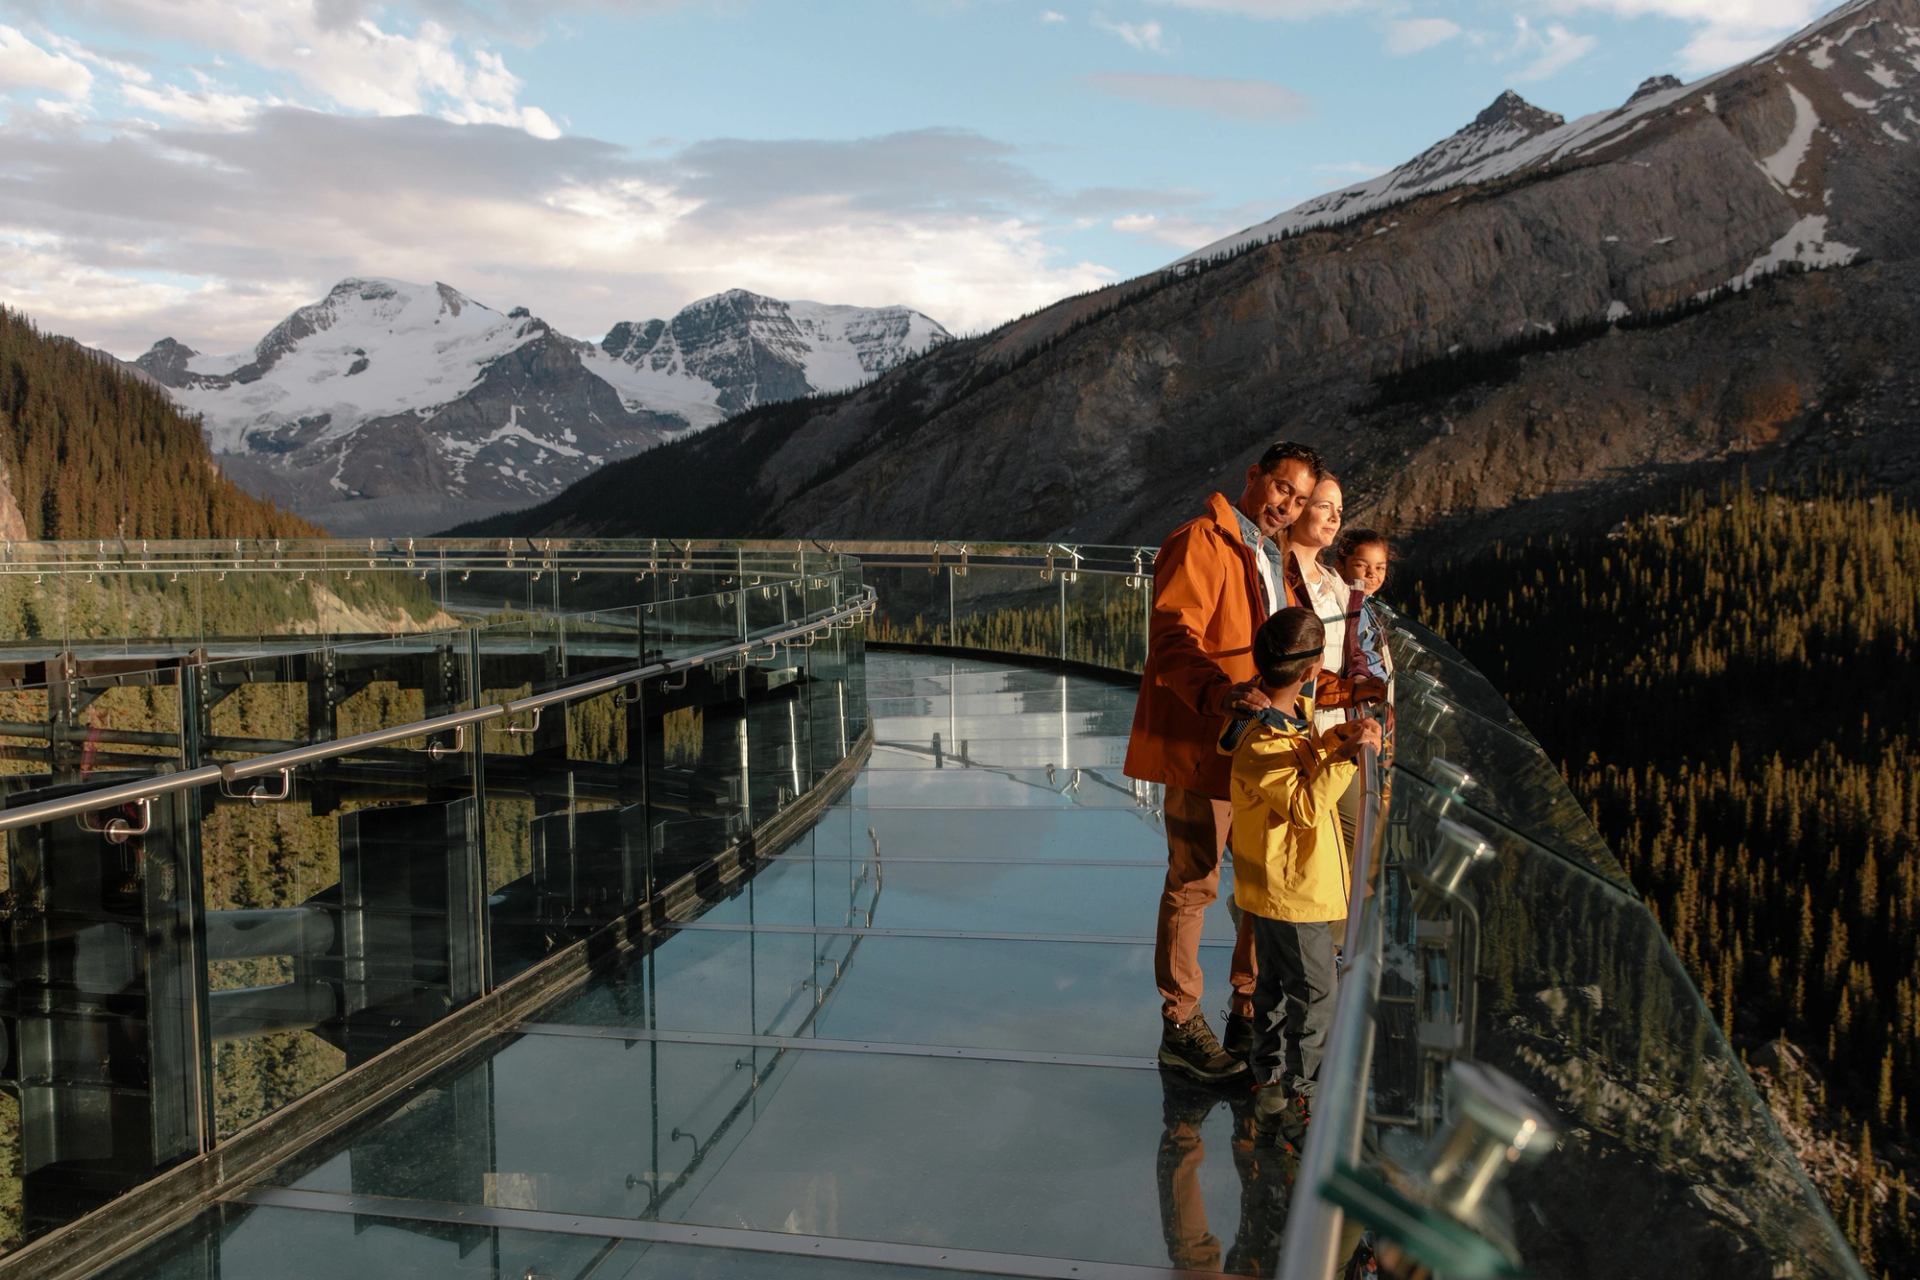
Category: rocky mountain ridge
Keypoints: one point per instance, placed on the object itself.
(393, 407)
(1530, 313)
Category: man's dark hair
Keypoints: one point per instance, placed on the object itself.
(1288, 645)
(1294, 451)
(1351, 540)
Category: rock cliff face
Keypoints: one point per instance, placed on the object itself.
(1530, 310)
(390, 407)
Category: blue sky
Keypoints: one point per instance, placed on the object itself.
(193, 169)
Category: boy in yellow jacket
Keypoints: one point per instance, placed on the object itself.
(1289, 869)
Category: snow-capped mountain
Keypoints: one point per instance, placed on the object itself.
(1513, 138)
(392, 407)
(727, 353)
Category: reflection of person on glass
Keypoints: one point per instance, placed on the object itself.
(1266, 1182)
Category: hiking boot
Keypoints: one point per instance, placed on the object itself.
(1192, 1048)
(1280, 1116)
(1238, 1042)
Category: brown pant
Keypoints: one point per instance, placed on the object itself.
(1197, 830)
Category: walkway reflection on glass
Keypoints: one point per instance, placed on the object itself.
(919, 1041)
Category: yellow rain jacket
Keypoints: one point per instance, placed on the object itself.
(1289, 862)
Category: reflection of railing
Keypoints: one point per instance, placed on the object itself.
(340, 849)
(283, 763)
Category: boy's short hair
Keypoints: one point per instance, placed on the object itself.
(1351, 540)
(1288, 645)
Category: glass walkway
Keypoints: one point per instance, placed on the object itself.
(622, 909)
(919, 1038)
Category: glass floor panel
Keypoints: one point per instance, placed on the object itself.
(1035, 997)
(1037, 835)
(1095, 1163)
(240, 1242)
(1010, 897)
(982, 788)
(1084, 751)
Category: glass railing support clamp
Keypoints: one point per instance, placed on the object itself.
(119, 830)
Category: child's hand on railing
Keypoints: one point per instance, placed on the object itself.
(1344, 741)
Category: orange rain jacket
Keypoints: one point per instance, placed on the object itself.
(1206, 606)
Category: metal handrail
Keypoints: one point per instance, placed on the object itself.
(1309, 1249)
(530, 556)
(258, 766)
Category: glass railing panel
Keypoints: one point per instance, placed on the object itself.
(1510, 777)
(833, 683)
(105, 1032)
(780, 728)
(822, 584)
(565, 827)
(678, 627)
(1418, 653)
(772, 600)
(1009, 610)
(342, 896)
(492, 589)
(1666, 1161)
(1106, 618)
(916, 605)
(698, 768)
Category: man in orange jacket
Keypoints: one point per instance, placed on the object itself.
(1215, 580)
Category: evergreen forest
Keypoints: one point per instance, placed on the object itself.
(1730, 688)
(92, 451)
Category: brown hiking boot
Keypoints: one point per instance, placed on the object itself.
(1192, 1048)
(1238, 1040)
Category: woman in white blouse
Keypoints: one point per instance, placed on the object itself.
(1326, 595)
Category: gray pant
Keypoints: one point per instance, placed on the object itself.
(1292, 1001)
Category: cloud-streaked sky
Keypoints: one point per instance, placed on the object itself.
(196, 169)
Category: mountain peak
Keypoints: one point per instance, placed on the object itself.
(166, 362)
(1654, 84)
(1512, 109)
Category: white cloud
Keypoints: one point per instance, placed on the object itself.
(114, 67)
(236, 225)
(1728, 31)
(25, 65)
(1051, 16)
(1352, 169)
(1411, 35)
(1149, 37)
(1549, 50)
(1234, 99)
(339, 51)
(206, 106)
(1182, 233)
(1288, 9)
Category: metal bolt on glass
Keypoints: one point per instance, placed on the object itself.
(1438, 883)
(1495, 1123)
